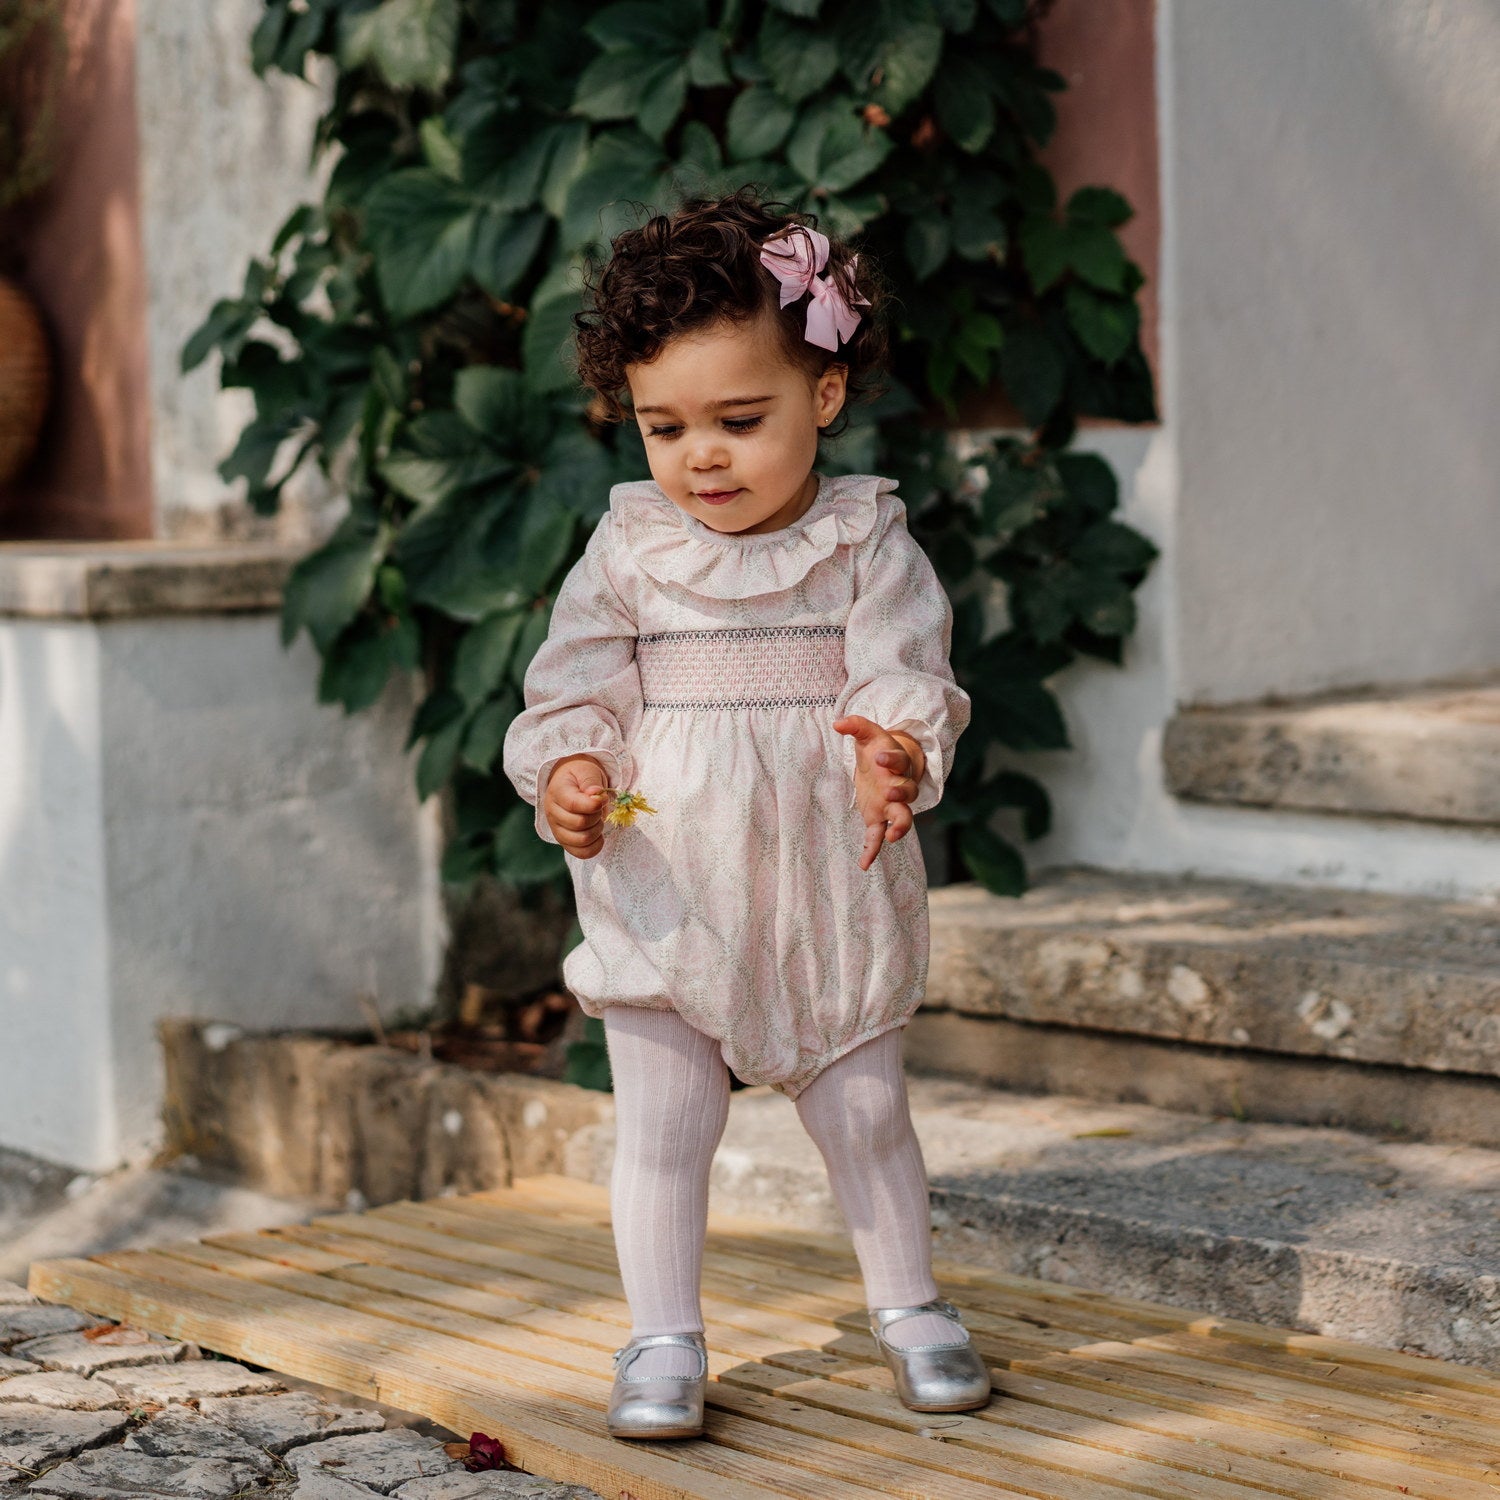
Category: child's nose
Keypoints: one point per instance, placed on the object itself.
(706, 453)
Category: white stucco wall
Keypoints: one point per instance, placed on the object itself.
(224, 160)
(56, 1080)
(1325, 483)
(1332, 216)
(184, 831)
(1111, 803)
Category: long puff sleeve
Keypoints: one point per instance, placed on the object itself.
(582, 690)
(896, 643)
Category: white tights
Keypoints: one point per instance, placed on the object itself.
(671, 1090)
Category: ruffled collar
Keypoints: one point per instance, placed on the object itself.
(674, 547)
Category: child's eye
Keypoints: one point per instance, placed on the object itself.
(734, 424)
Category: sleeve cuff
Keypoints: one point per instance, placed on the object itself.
(615, 762)
(930, 788)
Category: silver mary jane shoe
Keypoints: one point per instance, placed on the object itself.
(934, 1377)
(658, 1406)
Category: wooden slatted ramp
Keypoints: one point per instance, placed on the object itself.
(497, 1312)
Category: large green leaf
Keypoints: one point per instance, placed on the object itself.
(439, 454)
(520, 856)
(453, 553)
(622, 165)
(928, 241)
(633, 85)
(576, 472)
(409, 42)
(421, 227)
(964, 104)
(545, 535)
(491, 399)
(1095, 253)
(759, 120)
(1098, 205)
(889, 49)
(1113, 548)
(1089, 481)
(358, 665)
(1020, 715)
(993, 862)
(225, 328)
(799, 59)
(1033, 370)
(1106, 326)
(833, 148)
(327, 587)
(483, 655)
(439, 756)
(486, 732)
(1045, 245)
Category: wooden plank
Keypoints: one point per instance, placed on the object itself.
(567, 1318)
(398, 1244)
(1434, 1451)
(499, 1310)
(885, 1397)
(1367, 1396)
(1027, 1459)
(535, 1432)
(1278, 1462)
(590, 1201)
(733, 1275)
(1312, 1406)
(548, 1366)
(1189, 1452)
(1026, 1456)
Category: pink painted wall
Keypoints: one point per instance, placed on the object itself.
(91, 475)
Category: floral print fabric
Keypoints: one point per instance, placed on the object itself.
(706, 671)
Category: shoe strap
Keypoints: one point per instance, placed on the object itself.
(882, 1317)
(693, 1341)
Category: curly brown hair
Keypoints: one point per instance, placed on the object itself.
(701, 265)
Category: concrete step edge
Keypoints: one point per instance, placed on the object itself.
(1404, 981)
(1430, 753)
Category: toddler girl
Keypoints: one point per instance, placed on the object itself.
(760, 650)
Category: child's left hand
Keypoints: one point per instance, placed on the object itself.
(888, 769)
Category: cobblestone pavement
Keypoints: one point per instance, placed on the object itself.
(92, 1410)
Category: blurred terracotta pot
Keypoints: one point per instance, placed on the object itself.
(25, 378)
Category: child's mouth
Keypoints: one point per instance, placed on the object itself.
(716, 497)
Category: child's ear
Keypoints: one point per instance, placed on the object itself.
(832, 389)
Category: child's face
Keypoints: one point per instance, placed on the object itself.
(701, 435)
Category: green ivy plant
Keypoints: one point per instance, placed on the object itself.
(409, 334)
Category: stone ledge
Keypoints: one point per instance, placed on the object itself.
(1233, 1082)
(1430, 753)
(1405, 981)
(122, 580)
(308, 1116)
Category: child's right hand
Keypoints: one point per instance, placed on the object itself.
(574, 804)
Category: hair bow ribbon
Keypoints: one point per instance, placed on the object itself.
(795, 262)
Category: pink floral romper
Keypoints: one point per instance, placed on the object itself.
(706, 671)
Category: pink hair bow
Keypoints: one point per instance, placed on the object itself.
(795, 262)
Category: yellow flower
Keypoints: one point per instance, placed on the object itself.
(626, 806)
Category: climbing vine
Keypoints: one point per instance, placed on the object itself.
(409, 335)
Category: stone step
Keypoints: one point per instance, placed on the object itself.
(1430, 752)
(1393, 1243)
(1382, 1011)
